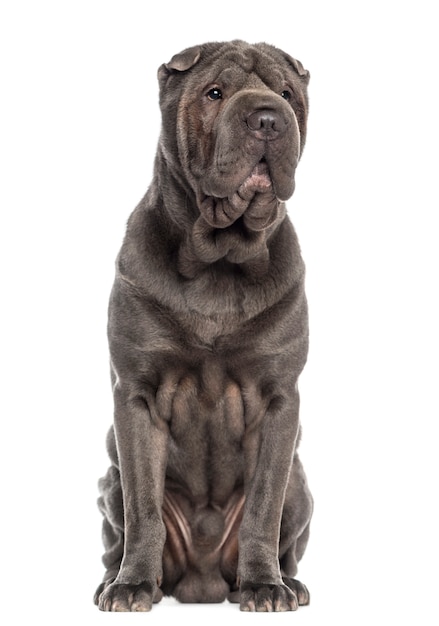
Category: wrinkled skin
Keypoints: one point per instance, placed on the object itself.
(206, 498)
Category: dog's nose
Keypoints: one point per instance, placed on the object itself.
(266, 123)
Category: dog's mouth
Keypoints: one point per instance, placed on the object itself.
(256, 191)
(258, 181)
(260, 176)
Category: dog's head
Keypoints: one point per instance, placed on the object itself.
(234, 127)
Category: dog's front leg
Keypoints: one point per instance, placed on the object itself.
(269, 452)
(142, 452)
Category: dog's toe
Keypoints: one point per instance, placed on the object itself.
(299, 589)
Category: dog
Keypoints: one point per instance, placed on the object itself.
(206, 498)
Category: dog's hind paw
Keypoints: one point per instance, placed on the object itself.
(299, 589)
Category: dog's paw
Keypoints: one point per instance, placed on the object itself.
(267, 598)
(302, 593)
(122, 597)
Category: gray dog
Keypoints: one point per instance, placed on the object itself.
(206, 498)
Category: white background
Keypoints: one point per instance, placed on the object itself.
(79, 126)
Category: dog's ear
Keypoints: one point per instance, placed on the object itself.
(297, 65)
(179, 63)
(184, 60)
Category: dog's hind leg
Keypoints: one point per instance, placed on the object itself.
(110, 504)
(295, 527)
(288, 563)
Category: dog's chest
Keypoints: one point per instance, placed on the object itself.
(207, 413)
(217, 305)
(206, 329)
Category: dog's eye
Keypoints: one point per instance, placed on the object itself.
(286, 95)
(214, 94)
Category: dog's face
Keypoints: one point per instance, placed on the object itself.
(234, 123)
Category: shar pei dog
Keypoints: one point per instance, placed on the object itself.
(206, 498)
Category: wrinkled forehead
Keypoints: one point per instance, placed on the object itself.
(247, 68)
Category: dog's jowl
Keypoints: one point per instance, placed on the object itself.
(206, 499)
